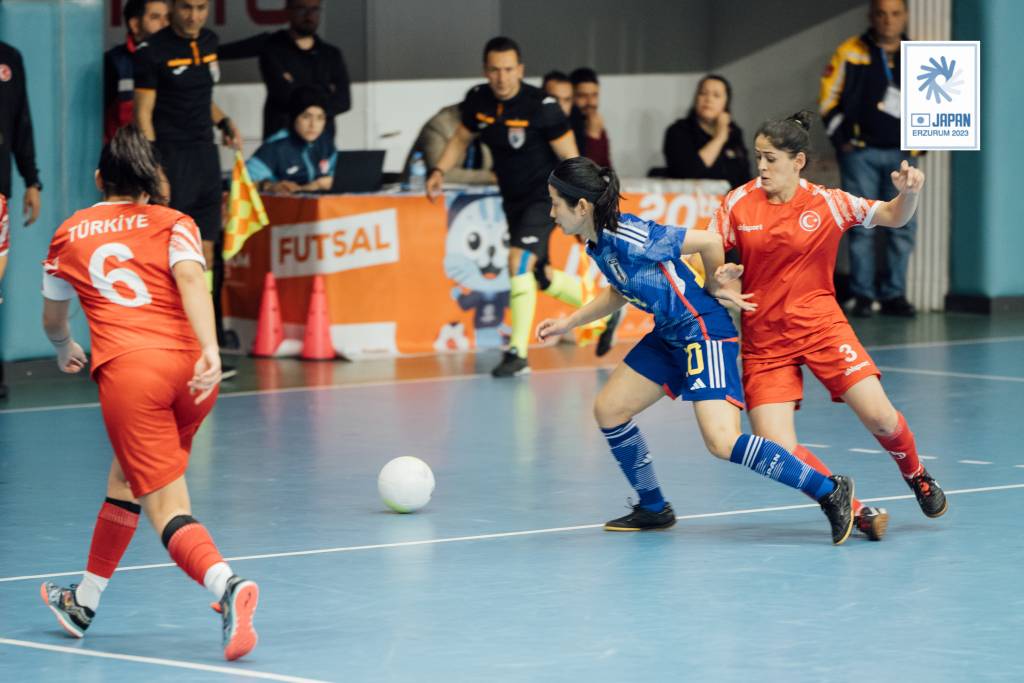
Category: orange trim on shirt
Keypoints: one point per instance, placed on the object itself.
(693, 311)
(484, 117)
(210, 58)
(195, 51)
(517, 123)
(563, 135)
(179, 62)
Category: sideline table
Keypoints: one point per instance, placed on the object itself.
(404, 275)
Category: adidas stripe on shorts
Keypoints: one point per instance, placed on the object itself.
(702, 370)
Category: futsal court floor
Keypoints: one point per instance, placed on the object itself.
(507, 575)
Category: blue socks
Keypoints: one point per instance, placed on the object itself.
(771, 460)
(630, 449)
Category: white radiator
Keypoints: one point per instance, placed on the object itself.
(928, 274)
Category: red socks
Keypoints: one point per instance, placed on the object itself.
(191, 547)
(812, 460)
(902, 448)
(115, 526)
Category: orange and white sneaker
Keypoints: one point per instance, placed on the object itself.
(73, 617)
(236, 609)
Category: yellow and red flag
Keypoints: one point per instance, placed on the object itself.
(246, 215)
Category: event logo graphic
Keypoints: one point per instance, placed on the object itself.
(940, 80)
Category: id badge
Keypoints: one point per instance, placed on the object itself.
(890, 104)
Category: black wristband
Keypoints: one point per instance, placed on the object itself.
(225, 125)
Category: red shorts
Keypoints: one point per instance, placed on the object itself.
(150, 415)
(836, 358)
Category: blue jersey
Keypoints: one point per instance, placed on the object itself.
(642, 261)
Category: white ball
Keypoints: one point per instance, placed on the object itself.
(405, 484)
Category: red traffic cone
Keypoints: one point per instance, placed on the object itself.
(269, 328)
(317, 344)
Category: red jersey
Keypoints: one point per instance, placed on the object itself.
(5, 227)
(118, 257)
(789, 255)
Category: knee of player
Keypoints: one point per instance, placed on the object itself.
(882, 421)
(609, 411)
(720, 442)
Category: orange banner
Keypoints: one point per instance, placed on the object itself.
(404, 275)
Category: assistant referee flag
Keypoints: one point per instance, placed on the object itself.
(246, 215)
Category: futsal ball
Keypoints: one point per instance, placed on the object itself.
(405, 484)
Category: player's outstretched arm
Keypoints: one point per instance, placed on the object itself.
(604, 304)
(897, 212)
(709, 245)
(198, 305)
(70, 356)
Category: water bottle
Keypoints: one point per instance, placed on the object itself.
(417, 173)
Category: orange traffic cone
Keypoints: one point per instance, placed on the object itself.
(317, 344)
(269, 328)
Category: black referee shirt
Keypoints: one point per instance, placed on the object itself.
(519, 132)
(15, 122)
(182, 71)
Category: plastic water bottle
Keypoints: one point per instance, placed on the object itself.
(417, 173)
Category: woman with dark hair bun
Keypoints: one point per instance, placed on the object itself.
(137, 270)
(787, 231)
(707, 143)
(691, 353)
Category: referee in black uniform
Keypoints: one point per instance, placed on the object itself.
(528, 135)
(175, 70)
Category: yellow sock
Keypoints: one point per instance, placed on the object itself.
(523, 302)
(209, 280)
(565, 288)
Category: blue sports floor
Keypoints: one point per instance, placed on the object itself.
(507, 575)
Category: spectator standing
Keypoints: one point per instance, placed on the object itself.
(294, 57)
(860, 104)
(707, 144)
(142, 18)
(593, 139)
(15, 138)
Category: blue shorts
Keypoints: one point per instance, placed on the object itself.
(705, 370)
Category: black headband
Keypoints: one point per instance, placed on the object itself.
(571, 190)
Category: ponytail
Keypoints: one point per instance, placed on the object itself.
(580, 178)
(791, 134)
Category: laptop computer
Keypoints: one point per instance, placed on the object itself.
(358, 171)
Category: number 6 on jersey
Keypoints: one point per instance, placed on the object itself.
(104, 281)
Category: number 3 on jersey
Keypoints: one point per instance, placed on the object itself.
(128, 279)
(849, 355)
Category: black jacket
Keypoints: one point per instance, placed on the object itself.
(853, 84)
(284, 67)
(15, 122)
(683, 141)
